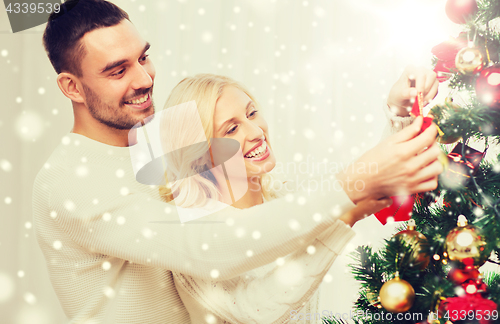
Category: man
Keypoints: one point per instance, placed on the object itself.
(108, 260)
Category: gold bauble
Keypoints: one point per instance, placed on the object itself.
(469, 60)
(465, 241)
(397, 295)
(445, 110)
(448, 138)
(443, 159)
(415, 240)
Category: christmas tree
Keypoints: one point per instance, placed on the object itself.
(430, 270)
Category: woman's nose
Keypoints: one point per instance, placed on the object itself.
(255, 133)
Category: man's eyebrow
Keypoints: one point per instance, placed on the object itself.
(229, 121)
(114, 64)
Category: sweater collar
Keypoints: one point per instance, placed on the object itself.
(95, 146)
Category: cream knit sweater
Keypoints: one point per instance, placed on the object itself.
(281, 292)
(111, 243)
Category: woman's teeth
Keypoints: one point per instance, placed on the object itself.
(138, 101)
(258, 151)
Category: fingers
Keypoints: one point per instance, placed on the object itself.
(425, 186)
(420, 142)
(427, 157)
(409, 132)
(424, 81)
(430, 172)
(431, 87)
(409, 94)
(420, 80)
(369, 206)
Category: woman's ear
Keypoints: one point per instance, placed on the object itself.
(70, 86)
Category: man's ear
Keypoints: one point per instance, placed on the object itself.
(70, 86)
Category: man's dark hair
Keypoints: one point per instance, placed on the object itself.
(64, 30)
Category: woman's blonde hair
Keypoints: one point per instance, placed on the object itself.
(190, 180)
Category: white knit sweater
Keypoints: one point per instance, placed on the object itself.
(111, 243)
(282, 292)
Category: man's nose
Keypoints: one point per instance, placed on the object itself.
(142, 79)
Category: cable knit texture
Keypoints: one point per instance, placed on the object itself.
(396, 123)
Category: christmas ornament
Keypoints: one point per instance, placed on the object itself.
(373, 298)
(399, 211)
(457, 308)
(469, 60)
(459, 11)
(459, 172)
(459, 276)
(466, 243)
(488, 86)
(474, 286)
(397, 295)
(417, 110)
(449, 132)
(446, 53)
(416, 241)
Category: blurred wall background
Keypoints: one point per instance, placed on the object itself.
(320, 68)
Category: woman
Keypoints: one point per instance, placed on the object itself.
(204, 179)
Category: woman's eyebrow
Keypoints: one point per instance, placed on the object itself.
(232, 120)
(227, 122)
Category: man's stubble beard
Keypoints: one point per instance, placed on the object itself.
(114, 117)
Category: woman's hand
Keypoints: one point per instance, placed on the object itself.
(403, 164)
(412, 81)
(364, 209)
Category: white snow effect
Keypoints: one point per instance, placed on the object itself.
(106, 265)
(29, 126)
(29, 298)
(214, 273)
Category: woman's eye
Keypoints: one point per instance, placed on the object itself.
(144, 58)
(253, 113)
(232, 130)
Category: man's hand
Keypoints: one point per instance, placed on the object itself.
(364, 209)
(412, 81)
(402, 164)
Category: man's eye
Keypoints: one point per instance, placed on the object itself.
(118, 73)
(232, 130)
(144, 58)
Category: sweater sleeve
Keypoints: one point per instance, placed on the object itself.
(395, 122)
(120, 222)
(276, 295)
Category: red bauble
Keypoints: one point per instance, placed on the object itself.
(475, 303)
(446, 53)
(488, 86)
(460, 10)
(459, 276)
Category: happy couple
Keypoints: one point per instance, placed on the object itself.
(115, 248)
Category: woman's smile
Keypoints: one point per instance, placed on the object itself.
(260, 152)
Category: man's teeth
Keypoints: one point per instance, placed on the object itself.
(138, 101)
(258, 151)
